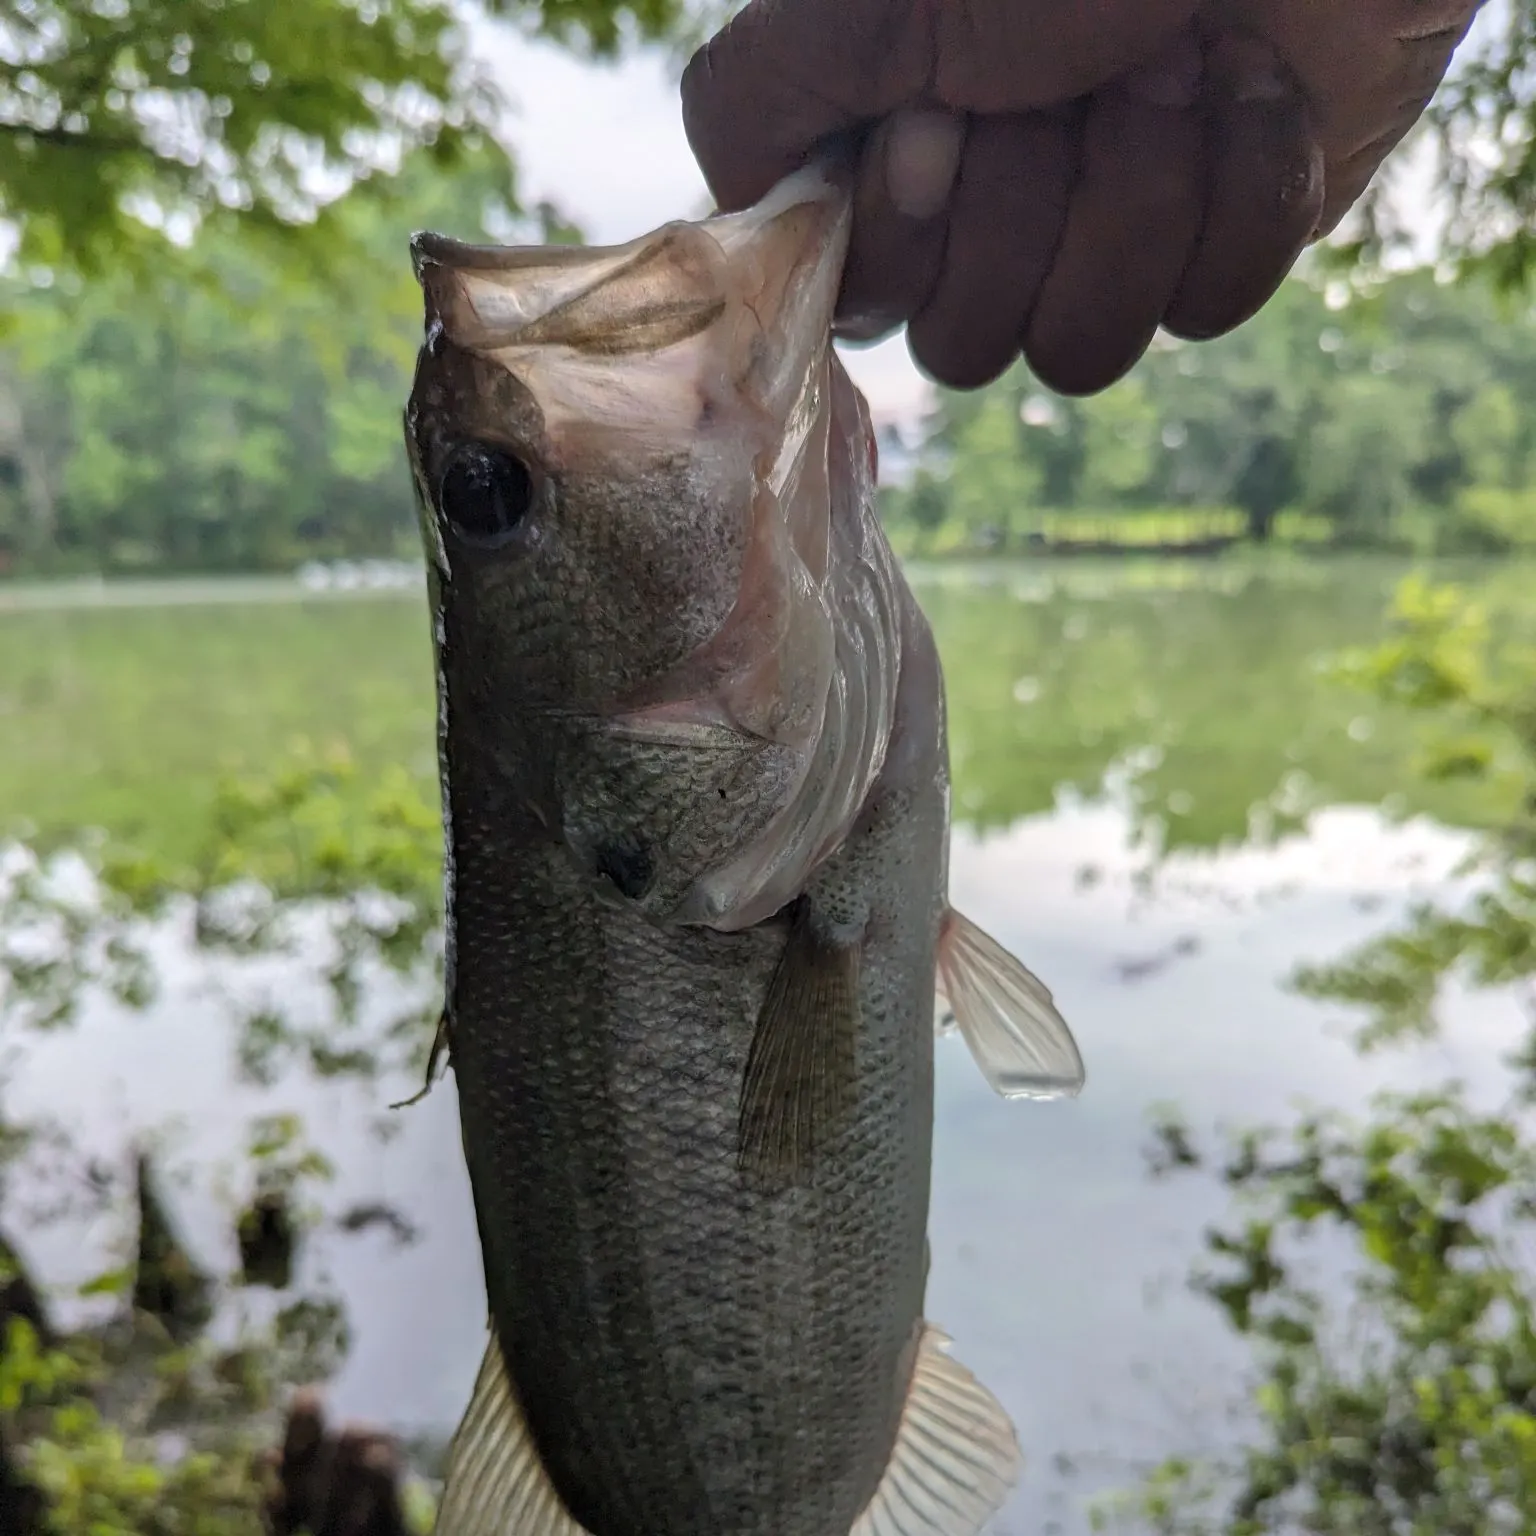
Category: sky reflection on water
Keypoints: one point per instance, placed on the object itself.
(1057, 1266)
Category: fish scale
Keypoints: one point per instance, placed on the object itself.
(742, 1292)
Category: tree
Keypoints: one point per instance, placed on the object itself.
(1120, 441)
(993, 487)
(1359, 470)
(1386, 412)
(1483, 125)
(125, 126)
(159, 422)
(1487, 434)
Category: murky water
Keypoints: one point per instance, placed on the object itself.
(1057, 1265)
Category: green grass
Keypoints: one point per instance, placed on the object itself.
(1151, 528)
(1137, 530)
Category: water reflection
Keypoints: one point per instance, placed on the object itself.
(1055, 1263)
(1201, 680)
(1154, 789)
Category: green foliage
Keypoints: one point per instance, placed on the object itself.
(1482, 123)
(1412, 1408)
(990, 499)
(302, 846)
(218, 416)
(1408, 1403)
(98, 1478)
(1468, 661)
(1384, 416)
(1507, 516)
(136, 120)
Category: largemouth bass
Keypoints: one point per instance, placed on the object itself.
(696, 791)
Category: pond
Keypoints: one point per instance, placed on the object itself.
(1164, 804)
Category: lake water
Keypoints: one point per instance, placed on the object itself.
(1166, 808)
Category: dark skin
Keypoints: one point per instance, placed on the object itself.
(1059, 178)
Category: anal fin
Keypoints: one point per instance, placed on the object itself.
(799, 1078)
(495, 1483)
(956, 1456)
(1019, 1040)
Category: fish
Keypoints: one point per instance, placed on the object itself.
(695, 785)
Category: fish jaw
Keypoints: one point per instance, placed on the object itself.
(780, 259)
(695, 333)
(689, 365)
(767, 669)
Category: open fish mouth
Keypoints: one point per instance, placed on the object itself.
(782, 260)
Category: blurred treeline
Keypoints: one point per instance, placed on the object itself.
(219, 415)
(150, 425)
(1391, 415)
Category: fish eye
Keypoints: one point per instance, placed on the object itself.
(485, 493)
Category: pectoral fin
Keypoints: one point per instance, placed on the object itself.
(1020, 1042)
(799, 1081)
(495, 1481)
(956, 1454)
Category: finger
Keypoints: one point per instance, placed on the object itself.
(1367, 69)
(1264, 190)
(783, 75)
(1131, 227)
(899, 223)
(1005, 219)
(922, 153)
(1011, 55)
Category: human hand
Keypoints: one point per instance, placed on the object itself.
(1061, 177)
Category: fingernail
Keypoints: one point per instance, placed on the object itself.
(922, 154)
(1172, 79)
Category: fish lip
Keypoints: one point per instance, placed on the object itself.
(430, 248)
